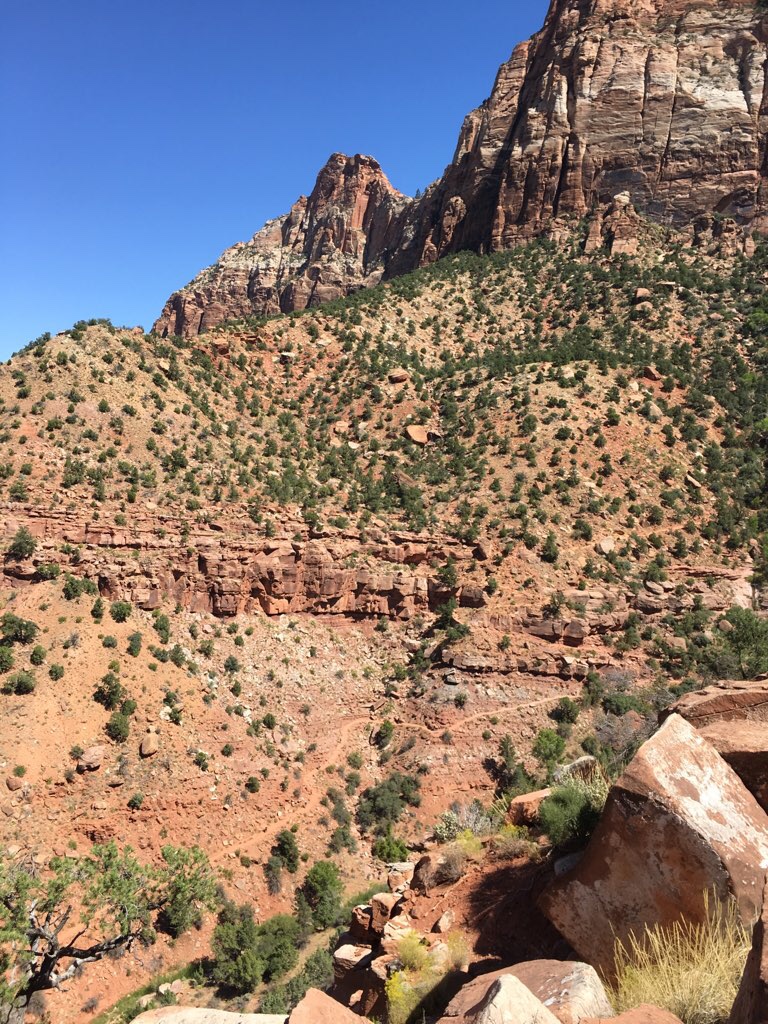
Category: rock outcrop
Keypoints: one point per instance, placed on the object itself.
(508, 999)
(611, 110)
(571, 991)
(726, 701)
(327, 245)
(315, 1008)
(678, 823)
(744, 745)
(226, 569)
(318, 1008)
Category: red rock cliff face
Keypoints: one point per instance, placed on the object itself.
(327, 245)
(662, 99)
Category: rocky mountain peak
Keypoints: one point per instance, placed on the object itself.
(326, 245)
(661, 99)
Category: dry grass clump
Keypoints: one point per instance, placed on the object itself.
(692, 970)
(423, 985)
(413, 953)
(515, 841)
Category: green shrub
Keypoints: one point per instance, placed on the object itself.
(286, 848)
(322, 889)
(572, 812)
(20, 683)
(385, 734)
(74, 587)
(236, 964)
(162, 627)
(620, 703)
(56, 672)
(390, 849)
(109, 692)
(380, 806)
(37, 655)
(23, 544)
(118, 727)
(120, 610)
(17, 631)
(6, 659)
(548, 747)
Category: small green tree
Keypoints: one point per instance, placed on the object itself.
(322, 890)
(236, 964)
(23, 544)
(120, 610)
(6, 658)
(550, 551)
(548, 747)
(287, 849)
(190, 887)
(17, 631)
(42, 944)
(118, 727)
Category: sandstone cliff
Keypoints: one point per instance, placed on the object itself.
(660, 99)
(327, 245)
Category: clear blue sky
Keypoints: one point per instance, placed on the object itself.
(141, 138)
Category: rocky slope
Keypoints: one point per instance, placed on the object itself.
(447, 503)
(662, 101)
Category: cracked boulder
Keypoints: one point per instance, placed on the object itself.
(677, 824)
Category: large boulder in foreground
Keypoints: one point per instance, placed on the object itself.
(678, 823)
(509, 1000)
(751, 1006)
(571, 991)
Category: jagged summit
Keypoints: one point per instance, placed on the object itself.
(661, 99)
(326, 245)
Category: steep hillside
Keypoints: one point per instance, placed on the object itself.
(284, 561)
(662, 100)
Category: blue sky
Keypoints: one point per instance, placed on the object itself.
(140, 139)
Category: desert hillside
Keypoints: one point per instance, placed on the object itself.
(384, 636)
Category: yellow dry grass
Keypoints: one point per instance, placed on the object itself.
(692, 970)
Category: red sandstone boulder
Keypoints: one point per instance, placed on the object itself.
(416, 434)
(150, 744)
(90, 760)
(318, 1008)
(524, 809)
(677, 823)
(198, 1015)
(382, 905)
(506, 999)
(725, 701)
(570, 990)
